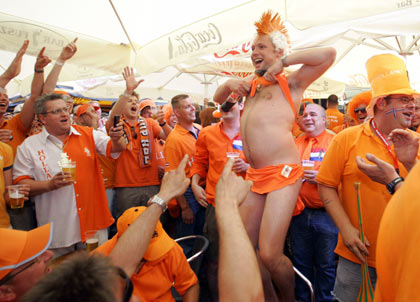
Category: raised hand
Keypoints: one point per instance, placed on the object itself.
(406, 146)
(15, 67)
(382, 172)
(241, 87)
(130, 80)
(41, 60)
(174, 183)
(68, 51)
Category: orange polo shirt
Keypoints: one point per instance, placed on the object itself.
(210, 156)
(19, 131)
(128, 172)
(107, 171)
(398, 260)
(335, 118)
(6, 163)
(155, 279)
(339, 168)
(178, 143)
(309, 192)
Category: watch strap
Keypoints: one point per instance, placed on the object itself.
(391, 186)
(156, 199)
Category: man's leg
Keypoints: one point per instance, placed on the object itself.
(325, 234)
(301, 238)
(251, 211)
(278, 210)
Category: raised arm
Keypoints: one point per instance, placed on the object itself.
(132, 245)
(14, 68)
(315, 63)
(239, 274)
(239, 86)
(27, 114)
(131, 84)
(67, 53)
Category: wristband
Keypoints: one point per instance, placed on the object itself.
(59, 63)
(39, 70)
(391, 186)
(283, 61)
(163, 124)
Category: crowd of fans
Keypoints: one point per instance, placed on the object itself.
(273, 182)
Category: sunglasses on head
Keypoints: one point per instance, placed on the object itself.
(361, 110)
(133, 130)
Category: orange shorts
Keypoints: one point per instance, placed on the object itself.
(271, 178)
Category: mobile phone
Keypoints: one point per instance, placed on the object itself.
(116, 120)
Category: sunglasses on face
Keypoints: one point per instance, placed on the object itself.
(128, 289)
(361, 110)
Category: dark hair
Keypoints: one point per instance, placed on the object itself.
(332, 100)
(83, 277)
(176, 99)
(40, 106)
(206, 117)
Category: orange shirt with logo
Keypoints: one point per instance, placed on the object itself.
(309, 192)
(19, 131)
(335, 118)
(155, 279)
(339, 168)
(6, 163)
(128, 172)
(210, 156)
(398, 260)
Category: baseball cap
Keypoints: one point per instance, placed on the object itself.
(146, 102)
(20, 247)
(82, 109)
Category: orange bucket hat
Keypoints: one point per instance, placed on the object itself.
(20, 247)
(145, 103)
(82, 109)
(160, 244)
(387, 75)
(362, 98)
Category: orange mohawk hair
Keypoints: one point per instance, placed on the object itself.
(273, 26)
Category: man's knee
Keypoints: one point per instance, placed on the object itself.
(272, 259)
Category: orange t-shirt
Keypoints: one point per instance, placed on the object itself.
(178, 143)
(309, 192)
(107, 170)
(19, 131)
(128, 172)
(210, 156)
(6, 163)
(334, 117)
(339, 128)
(339, 168)
(156, 278)
(398, 260)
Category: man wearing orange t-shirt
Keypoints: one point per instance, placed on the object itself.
(75, 206)
(335, 118)
(313, 234)
(214, 146)
(136, 170)
(182, 141)
(393, 108)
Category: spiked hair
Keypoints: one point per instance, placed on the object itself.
(273, 27)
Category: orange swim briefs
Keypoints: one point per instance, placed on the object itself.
(271, 178)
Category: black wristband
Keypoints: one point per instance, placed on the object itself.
(391, 186)
(163, 124)
(39, 70)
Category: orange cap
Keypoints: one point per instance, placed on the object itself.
(167, 111)
(82, 109)
(20, 247)
(362, 98)
(145, 103)
(61, 92)
(160, 244)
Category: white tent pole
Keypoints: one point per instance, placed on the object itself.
(413, 42)
(348, 50)
(170, 80)
(361, 42)
(123, 27)
(387, 45)
(206, 87)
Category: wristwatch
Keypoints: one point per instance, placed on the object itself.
(156, 199)
(391, 186)
(163, 124)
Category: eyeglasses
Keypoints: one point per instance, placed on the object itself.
(361, 110)
(58, 111)
(404, 99)
(133, 130)
(128, 289)
(20, 269)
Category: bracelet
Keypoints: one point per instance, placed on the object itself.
(39, 70)
(163, 124)
(59, 63)
(283, 61)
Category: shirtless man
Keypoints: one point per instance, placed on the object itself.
(268, 143)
